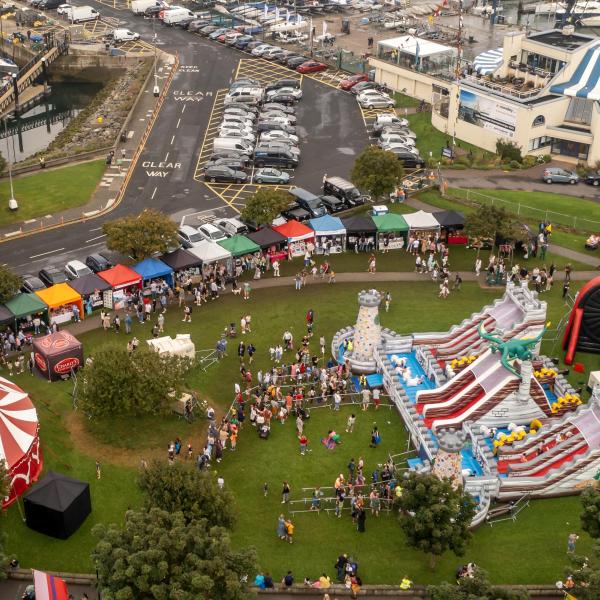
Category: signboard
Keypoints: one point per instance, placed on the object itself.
(487, 113)
(447, 153)
(393, 244)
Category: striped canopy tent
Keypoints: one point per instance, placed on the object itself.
(585, 81)
(487, 62)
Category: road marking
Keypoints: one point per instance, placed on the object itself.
(99, 237)
(166, 157)
(96, 229)
(172, 140)
(183, 109)
(153, 193)
(46, 253)
(178, 121)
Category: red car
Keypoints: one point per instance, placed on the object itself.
(351, 81)
(311, 66)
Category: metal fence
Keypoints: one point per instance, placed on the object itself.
(529, 212)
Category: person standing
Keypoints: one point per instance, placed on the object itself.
(187, 314)
(247, 290)
(241, 350)
(375, 437)
(303, 444)
(366, 398)
(98, 470)
(117, 323)
(376, 398)
(276, 268)
(477, 266)
(280, 527)
(127, 322)
(299, 425)
(350, 423)
(571, 540)
(161, 322)
(251, 351)
(285, 493)
(360, 519)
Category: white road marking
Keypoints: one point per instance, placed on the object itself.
(46, 253)
(183, 109)
(166, 157)
(96, 229)
(173, 138)
(153, 193)
(178, 121)
(95, 238)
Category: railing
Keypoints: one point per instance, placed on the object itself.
(503, 89)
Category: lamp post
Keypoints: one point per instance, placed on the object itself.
(12, 203)
(156, 90)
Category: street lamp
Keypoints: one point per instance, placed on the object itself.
(156, 90)
(12, 203)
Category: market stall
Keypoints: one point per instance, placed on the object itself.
(271, 243)
(90, 288)
(120, 278)
(63, 303)
(239, 245)
(210, 253)
(151, 269)
(299, 237)
(25, 308)
(392, 231)
(6, 318)
(181, 260)
(421, 223)
(57, 355)
(330, 234)
(180, 345)
(361, 232)
(452, 223)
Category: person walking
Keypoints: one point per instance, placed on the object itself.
(280, 526)
(187, 314)
(303, 444)
(98, 470)
(247, 290)
(161, 323)
(350, 423)
(285, 493)
(571, 540)
(127, 322)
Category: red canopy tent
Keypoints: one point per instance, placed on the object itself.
(298, 237)
(120, 277)
(19, 440)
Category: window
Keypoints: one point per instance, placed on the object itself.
(540, 142)
(539, 120)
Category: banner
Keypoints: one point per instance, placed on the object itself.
(487, 113)
(324, 28)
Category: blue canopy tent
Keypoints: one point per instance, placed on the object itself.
(330, 234)
(152, 268)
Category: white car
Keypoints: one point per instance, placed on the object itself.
(273, 115)
(381, 121)
(373, 93)
(277, 134)
(271, 50)
(376, 101)
(124, 35)
(236, 123)
(212, 233)
(397, 147)
(279, 119)
(401, 139)
(296, 92)
(246, 130)
(63, 9)
(239, 112)
(236, 133)
(260, 50)
(76, 269)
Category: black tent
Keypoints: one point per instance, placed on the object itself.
(449, 219)
(359, 224)
(57, 505)
(180, 260)
(89, 284)
(266, 238)
(6, 317)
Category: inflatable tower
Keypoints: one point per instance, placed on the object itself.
(367, 332)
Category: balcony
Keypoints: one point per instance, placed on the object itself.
(517, 84)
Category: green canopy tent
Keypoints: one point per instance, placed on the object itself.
(239, 245)
(25, 307)
(392, 231)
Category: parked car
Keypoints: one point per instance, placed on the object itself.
(270, 105)
(388, 138)
(271, 125)
(332, 204)
(97, 263)
(217, 32)
(212, 233)
(260, 50)
(238, 164)
(348, 83)
(558, 175)
(269, 175)
(253, 44)
(242, 42)
(282, 83)
(309, 202)
(408, 159)
(278, 134)
(295, 61)
(76, 269)
(31, 284)
(197, 24)
(311, 66)
(231, 226)
(205, 31)
(296, 92)
(593, 179)
(230, 154)
(241, 110)
(397, 129)
(278, 116)
(224, 174)
(376, 101)
(52, 276)
(363, 86)
(388, 120)
(189, 236)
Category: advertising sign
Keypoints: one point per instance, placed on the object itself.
(487, 113)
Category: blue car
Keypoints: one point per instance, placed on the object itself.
(242, 42)
(558, 175)
(268, 175)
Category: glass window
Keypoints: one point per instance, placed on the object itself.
(539, 120)
(540, 142)
(579, 111)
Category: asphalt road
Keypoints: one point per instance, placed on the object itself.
(330, 128)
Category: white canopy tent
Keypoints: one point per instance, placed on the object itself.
(182, 345)
(413, 52)
(209, 252)
(421, 221)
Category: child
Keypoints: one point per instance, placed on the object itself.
(303, 444)
(350, 423)
(289, 530)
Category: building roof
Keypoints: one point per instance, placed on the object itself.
(409, 44)
(59, 295)
(56, 491)
(585, 81)
(239, 245)
(449, 218)
(556, 38)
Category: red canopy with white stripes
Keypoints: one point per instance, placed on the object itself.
(19, 441)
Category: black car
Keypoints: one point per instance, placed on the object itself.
(270, 106)
(242, 42)
(295, 61)
(153, 11)
(286, 99)
(282, 58)
(52, 276)
(281, 83)
(593, 179)
(222, 173)
(237, 164)
(97, 262)
(332, 204)
(275, 56)
(408, 159)
(32, 284)
(295, 212)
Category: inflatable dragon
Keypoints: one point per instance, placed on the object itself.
(511, 349)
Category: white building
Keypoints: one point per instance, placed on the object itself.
(541, 92)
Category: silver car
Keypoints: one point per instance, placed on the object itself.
(376, 101)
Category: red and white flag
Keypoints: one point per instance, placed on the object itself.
(49, 587)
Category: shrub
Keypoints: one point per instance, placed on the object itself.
(508, 151)
(547, 158)
(529, 161)
(515, 164)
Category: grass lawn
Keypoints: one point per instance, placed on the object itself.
(49, 192)
(71, 444)
(403, 101)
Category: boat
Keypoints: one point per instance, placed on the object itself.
(8, 67)
(590, 21)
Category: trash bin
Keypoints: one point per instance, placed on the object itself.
(345, 25)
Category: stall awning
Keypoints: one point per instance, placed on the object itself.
(180, 259)
(59, 295)
(449, 218)
(359, 224)
(328, 225)
(25, 304)
(487, 62)
(266, 238)
(585, 81)
(152, 268)
(295, 231)
(390, 222)
(239, 245)
(416, 46)
(421, 220)
(209, 252)
(5, 315)
(120, 276)
(88, 284)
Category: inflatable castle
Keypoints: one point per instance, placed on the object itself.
(481, 405)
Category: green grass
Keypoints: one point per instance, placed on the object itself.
(49, 192)
(540, 532)
(403, 101)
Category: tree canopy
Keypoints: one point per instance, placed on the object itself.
(158, 555)
(181, 487)
(141, 236)
(434, 516)
(377, 172)
(490, 221)
(476, 588)
(9, 283)
(590, 516)
(265, 205)
(136, 384)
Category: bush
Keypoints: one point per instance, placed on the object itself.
(515, 164)
(529, 161)
(508, 151)
(547, 158)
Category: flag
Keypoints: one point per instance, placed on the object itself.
(287, 15)
(324, 28)
(298, 18)
(48, 587)
(277, 13)
(266, 10)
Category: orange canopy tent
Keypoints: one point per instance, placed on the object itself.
(61, 294)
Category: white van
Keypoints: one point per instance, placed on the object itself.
(138, 7)
(236, 144)
(78, 14)
(176, 15)
(124, 35)
(247, 95)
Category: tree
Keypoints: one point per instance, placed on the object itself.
(180, 487)
(489, 222)
(585, 572)
(4, 491)
(590, 517)
(476, 588)
(136, 384)
(9, 284)
(142, 236)
(509, 151)
(158, 555)
(434, 516)
(265, 205)
(377, 171)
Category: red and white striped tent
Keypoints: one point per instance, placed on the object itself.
(19, 440)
